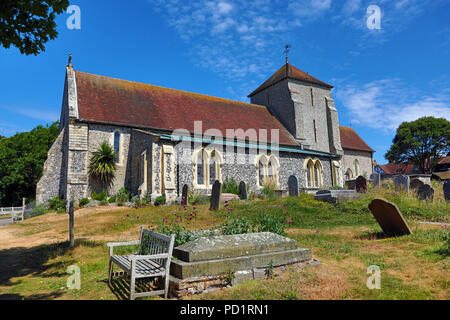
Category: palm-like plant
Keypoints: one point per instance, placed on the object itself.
(103, 164)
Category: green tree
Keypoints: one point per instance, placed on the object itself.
(103, 164)
(421, 142)
(22, 158)
(29, 24)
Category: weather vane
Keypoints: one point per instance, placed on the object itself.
(286, 52)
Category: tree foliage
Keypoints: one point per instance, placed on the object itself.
(421, 142)
(29, 24)
(22, 158)
(103, 164)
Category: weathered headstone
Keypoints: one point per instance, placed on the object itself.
(215, 195)
(243, 190)
(416, 184)
(361, 184)
(293, 186)
(389, 218)
(185, 195)
(447, 190)
(401, 183)
(376, 178)
(426, 192)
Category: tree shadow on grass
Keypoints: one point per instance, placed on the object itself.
(20, 262)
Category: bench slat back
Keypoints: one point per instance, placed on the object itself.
(154, 243)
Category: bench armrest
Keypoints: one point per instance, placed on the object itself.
(154, 256)
(111, 245)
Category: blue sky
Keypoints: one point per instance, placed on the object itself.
(227, 48)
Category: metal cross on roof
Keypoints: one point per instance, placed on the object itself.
(286, 52)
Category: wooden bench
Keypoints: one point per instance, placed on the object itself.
(152, 260)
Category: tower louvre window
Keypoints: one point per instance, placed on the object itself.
(315, 131)
(312, 97)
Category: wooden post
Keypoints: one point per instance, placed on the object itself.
(71, 225)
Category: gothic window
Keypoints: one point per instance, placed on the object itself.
(212, 169)
(201, 168)
(336, 177)
(314, 173)
(356, 164)
(267, 170)
(349, 174)
(207, 167)
(117, 146)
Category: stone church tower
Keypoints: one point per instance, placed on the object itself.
(304, 105)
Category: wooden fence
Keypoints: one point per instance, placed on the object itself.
(14, 213)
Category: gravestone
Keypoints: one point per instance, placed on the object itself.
(361, 184)
(293, 186)
(376, 177)
(426, 192)
(389, 218)
(401, 183)
(415, 184)
(243, 190)
(386, 185)
(215, 196)
(184, 195)
(447, 190)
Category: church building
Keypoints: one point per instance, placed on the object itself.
(166, 138)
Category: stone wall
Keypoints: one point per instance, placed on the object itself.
(52, 182)
(364, 159)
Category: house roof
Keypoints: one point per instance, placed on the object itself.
(288, 71)
(351, 140)
(398, 168)
(109, 100)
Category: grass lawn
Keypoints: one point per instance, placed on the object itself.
(344, 237)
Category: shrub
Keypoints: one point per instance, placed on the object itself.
(270, 223)
(102, 166)
(236, 225)
(268, 190)
(104, 202)
(123, 195)
(38, 211)
(57, 204)
(160, 201)
(181, 234)
(112, 199)
(230, 186)
(146, 199)
(136, 200)
(99, 196)
(84, 202)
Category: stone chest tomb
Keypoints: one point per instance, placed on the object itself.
(201, 264)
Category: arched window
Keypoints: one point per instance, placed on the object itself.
(356, 164)
(201, 167)
(268, 170)
(207, 167)
(314, 173)
(117, 146)
(349, 174)
(336, 173)
(212, 169)
(261, 172)
(310, 174)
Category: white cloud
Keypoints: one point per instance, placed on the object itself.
(224, 7)
(385, 104)
(310, 8)
(38, 114)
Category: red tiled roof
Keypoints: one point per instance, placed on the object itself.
(288, 71)
(351, 140)
(111, 100)
(398, 168)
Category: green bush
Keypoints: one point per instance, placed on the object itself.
(104, 202)
(84, 202)
(181, 234)
(160, 201)
(99, 196)
(271, 223)
(136, 200)
(236, 225)
(38, 211)
(123, 195)
(112, 199)
(230, 186)
(57, 204)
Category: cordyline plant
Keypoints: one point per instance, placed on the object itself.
(103, 164)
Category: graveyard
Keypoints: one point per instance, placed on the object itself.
(303, 249)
